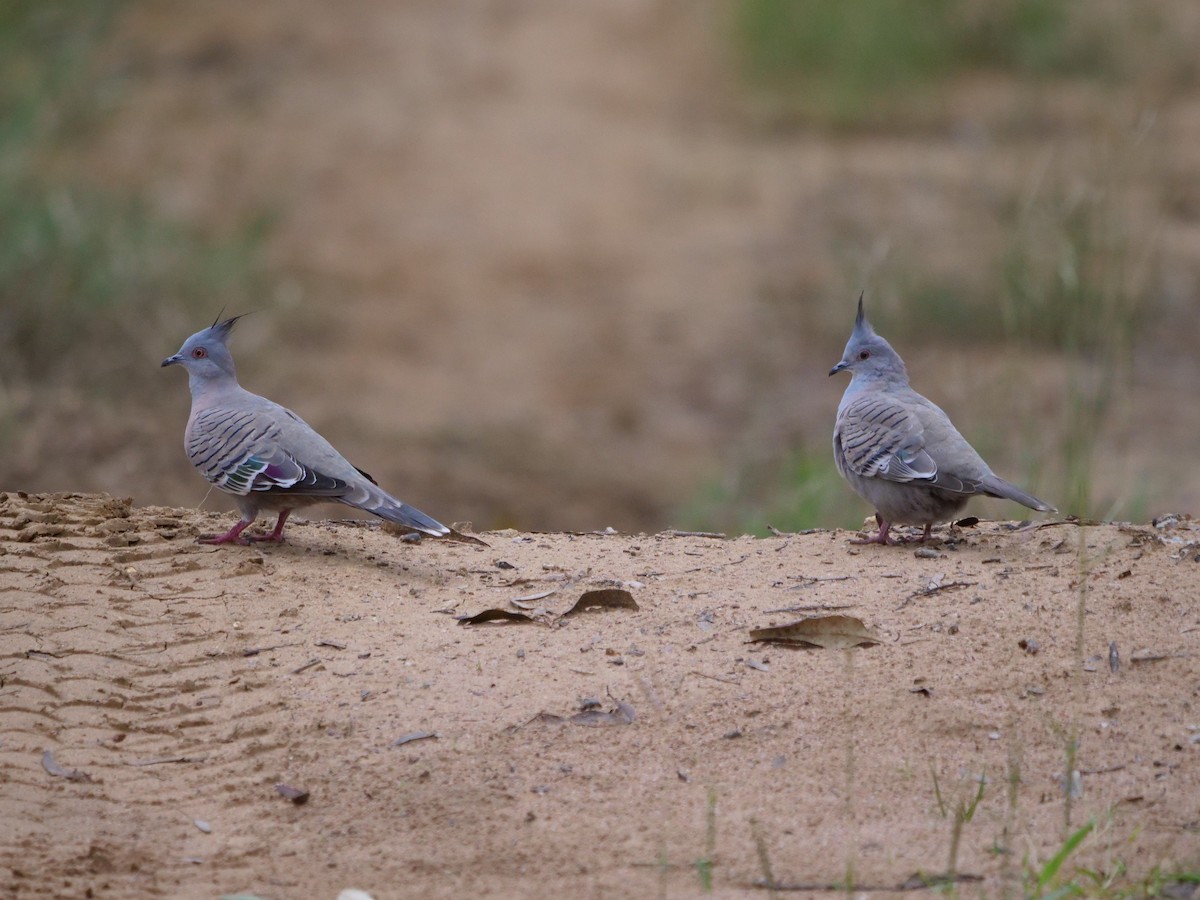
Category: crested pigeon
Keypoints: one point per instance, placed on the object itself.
(899, 451)
(264, 454)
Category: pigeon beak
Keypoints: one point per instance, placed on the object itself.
(171, 360)
(839, 367)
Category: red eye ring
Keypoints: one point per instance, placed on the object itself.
(199, 353)
(864, 354)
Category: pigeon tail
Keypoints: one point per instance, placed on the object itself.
(393, 510)
(998, 487)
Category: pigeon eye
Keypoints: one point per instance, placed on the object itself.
(199, 353)
(864, 354)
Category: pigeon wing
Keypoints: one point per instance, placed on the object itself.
(880, 437)
(240, 451)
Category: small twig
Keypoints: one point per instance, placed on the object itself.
(254, 651)
(1069, 520)
(1103, 771)
(915, 883)
(308, 665)
(334, 644)
(807, 582)
(810, 607)
(413, 736)
(930, 590)
(139, 763)
(712, 677)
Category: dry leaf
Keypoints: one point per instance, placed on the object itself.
(296, 795)
(591, 715)
(595, 718)
(495, 615)
(51, 765)
(413, 736)
(605, 598)
(826, 632)
(529, 598)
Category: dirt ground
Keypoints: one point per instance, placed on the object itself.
(175, 685)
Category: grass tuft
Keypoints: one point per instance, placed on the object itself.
(853, 65)
(800, 492)
(1043, 881)
(704, 865)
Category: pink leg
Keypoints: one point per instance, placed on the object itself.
(277, 534)
(232, 536)
(917, 540)
(881, 537)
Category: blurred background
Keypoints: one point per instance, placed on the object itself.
(567, 265)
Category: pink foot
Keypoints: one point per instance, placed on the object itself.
(232, 536)
(881, 537)
(277, 534)
(916, 540)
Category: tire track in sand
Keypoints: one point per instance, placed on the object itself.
(86, 585)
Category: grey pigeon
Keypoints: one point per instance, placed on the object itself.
(264, 454)
(898, 450)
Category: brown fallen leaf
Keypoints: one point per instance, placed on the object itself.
(623, 714)
(495, 615)
(605, 598)
(296, 795)
(51, 765)
(825, 632)
(591, 716)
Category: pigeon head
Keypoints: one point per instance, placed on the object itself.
(868, 357)
(206, 354)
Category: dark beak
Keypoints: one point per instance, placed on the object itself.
(842, 365)
(171, 360)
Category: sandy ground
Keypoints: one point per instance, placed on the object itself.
(175, 685)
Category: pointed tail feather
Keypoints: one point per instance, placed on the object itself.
(374, 500)
(998, 487)
(408, 516)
